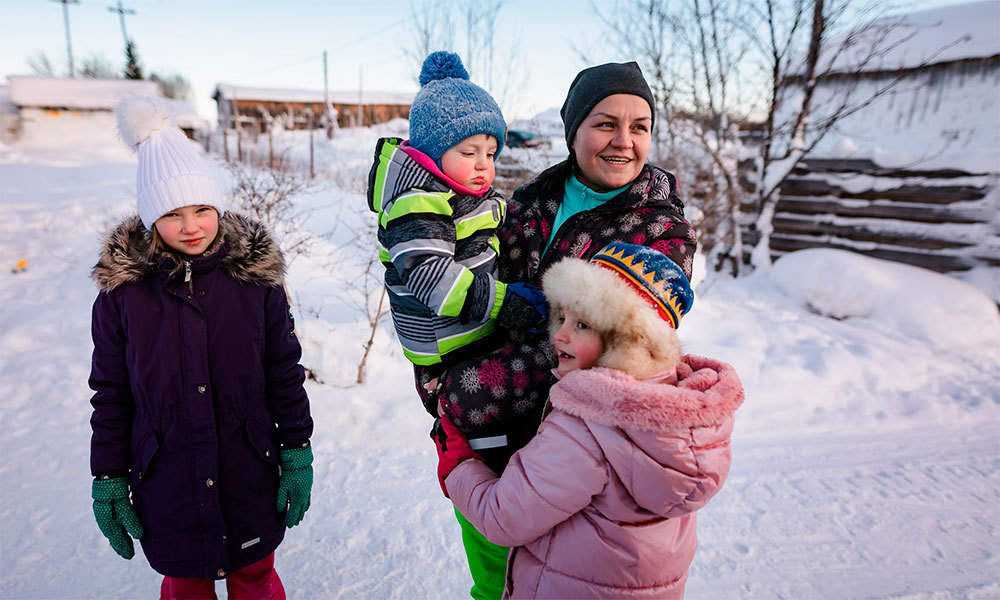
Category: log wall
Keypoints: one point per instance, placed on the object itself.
(943, 220)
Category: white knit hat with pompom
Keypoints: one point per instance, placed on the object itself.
(172, 174)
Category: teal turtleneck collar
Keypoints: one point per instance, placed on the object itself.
(578, 198)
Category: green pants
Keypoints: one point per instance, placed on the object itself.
(487, 562)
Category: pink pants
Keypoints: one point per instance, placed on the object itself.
(258, 581)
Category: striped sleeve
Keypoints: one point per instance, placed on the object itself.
(419, 237)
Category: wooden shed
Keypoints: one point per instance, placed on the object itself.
(257, 109)
(915, 176)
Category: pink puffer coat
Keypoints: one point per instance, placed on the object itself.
(601, 503)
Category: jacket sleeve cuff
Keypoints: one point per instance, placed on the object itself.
(501, 293)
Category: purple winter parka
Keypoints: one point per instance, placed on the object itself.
(601, 503)
(197, 388)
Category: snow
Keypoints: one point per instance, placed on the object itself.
(943, 34)
(185, 115)
(932, 120)
(938, 117)
(866, 461)
(83, 94)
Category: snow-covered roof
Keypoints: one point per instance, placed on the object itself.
(945, 34)
(234, 92)
(84, 94)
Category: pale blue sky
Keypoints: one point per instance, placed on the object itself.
(280, 44)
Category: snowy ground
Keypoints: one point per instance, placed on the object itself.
(866, 457)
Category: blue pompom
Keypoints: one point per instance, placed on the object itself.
(442, 65)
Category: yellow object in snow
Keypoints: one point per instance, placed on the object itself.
(20, 266)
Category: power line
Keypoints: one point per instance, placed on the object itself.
(318, 55)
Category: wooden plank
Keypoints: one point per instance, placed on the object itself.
(867, 167)
(928, 214)
(904, 193)
(935, 261)
(864, 233)
(942, 263)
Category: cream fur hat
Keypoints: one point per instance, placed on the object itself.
(633, 296)
(171, 173)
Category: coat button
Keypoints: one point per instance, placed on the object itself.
(267, 453)
(221, 573)
(210, 482)
(202, 389)
(201, 292)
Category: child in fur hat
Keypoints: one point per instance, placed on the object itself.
(601, 503)
(201, 424)
(438, 218)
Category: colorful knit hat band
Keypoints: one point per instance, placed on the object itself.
(654, 277)
(641, 288)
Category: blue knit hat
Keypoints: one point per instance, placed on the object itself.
(449, 108)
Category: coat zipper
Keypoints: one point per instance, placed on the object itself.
(187, 276)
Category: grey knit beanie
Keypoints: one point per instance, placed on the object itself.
(449, 108)
(594, 84)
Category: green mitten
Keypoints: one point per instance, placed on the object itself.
(115, 515)
(296, 484)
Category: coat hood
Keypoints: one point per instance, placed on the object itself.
(707, 392)
(664, 426)
(249, 253)
(394, 172)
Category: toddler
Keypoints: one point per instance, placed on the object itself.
(438, 218)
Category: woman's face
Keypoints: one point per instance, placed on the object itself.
(612, 142)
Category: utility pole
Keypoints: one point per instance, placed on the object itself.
(361, 79)
(326, 101)
(121, 15)
(69, 45)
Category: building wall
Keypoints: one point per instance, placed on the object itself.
(296, 115)
(914, 177)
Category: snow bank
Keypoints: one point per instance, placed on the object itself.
(930, 307)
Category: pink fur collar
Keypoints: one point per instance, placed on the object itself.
(707, 391)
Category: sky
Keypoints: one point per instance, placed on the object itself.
(280, 44)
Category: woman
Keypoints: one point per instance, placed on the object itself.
(603, 192)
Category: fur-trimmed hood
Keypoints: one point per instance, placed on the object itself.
(648, 431)
(636, 340)
(249, 253)
(707, 392)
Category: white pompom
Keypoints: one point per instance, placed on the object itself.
(139, 116)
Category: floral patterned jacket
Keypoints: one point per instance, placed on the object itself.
(500, 394)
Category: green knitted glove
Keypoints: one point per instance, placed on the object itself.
(115, 515)
(296, 484)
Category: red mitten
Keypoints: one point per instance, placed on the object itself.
(452, 449)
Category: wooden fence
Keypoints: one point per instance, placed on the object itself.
(943, 220)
